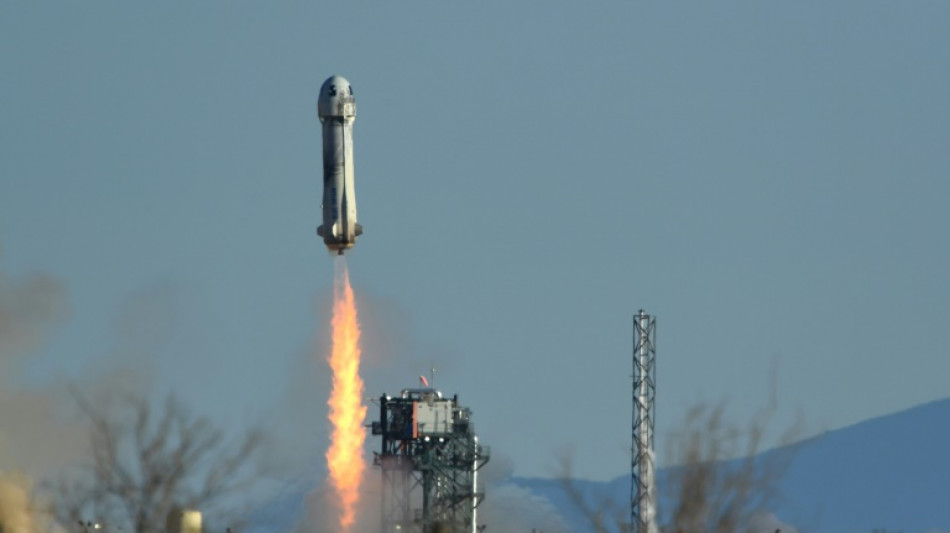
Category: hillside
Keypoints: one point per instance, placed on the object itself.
(890, 472)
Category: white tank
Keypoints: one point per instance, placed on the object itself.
(183, 521)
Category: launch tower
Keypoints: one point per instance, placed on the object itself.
(430, 457)
(642, 484)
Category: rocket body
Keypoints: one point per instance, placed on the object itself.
(337, 110)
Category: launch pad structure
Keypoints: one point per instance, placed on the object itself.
(429, 460)
(642, 479)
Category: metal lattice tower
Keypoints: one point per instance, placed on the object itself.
(430, 458)
(642, 484)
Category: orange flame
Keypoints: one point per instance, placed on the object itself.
(345, 456)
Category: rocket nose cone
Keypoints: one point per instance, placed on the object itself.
(334, 80)
(333, 93)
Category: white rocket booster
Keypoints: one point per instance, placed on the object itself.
(337, 110)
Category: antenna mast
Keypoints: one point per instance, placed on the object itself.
(642, 484)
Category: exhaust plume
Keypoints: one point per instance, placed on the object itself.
(345, 456)
(35, 436)
(29, 311)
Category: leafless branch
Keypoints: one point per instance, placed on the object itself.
(720, 483)
(145, 464)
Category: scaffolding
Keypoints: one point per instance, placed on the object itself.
(429, 460)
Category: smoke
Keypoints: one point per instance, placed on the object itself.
(29, 310)
(508, 508)
(321, 510)
(650, 515)
(41, 431)
(394, 354)
(146, 325)
(34, 436)
(38, 434)
(511, 509)
(20, 512)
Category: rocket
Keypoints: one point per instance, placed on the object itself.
(336, 107)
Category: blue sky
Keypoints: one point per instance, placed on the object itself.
(768, 179)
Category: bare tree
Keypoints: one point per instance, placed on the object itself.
(721, 481)
(145, 464)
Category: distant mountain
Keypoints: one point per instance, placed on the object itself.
(889, 473)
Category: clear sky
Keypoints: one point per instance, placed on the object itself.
(768, 179)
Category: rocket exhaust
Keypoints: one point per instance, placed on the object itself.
(347, 413)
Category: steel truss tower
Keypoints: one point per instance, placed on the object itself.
(642, 484)
(429, 459)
